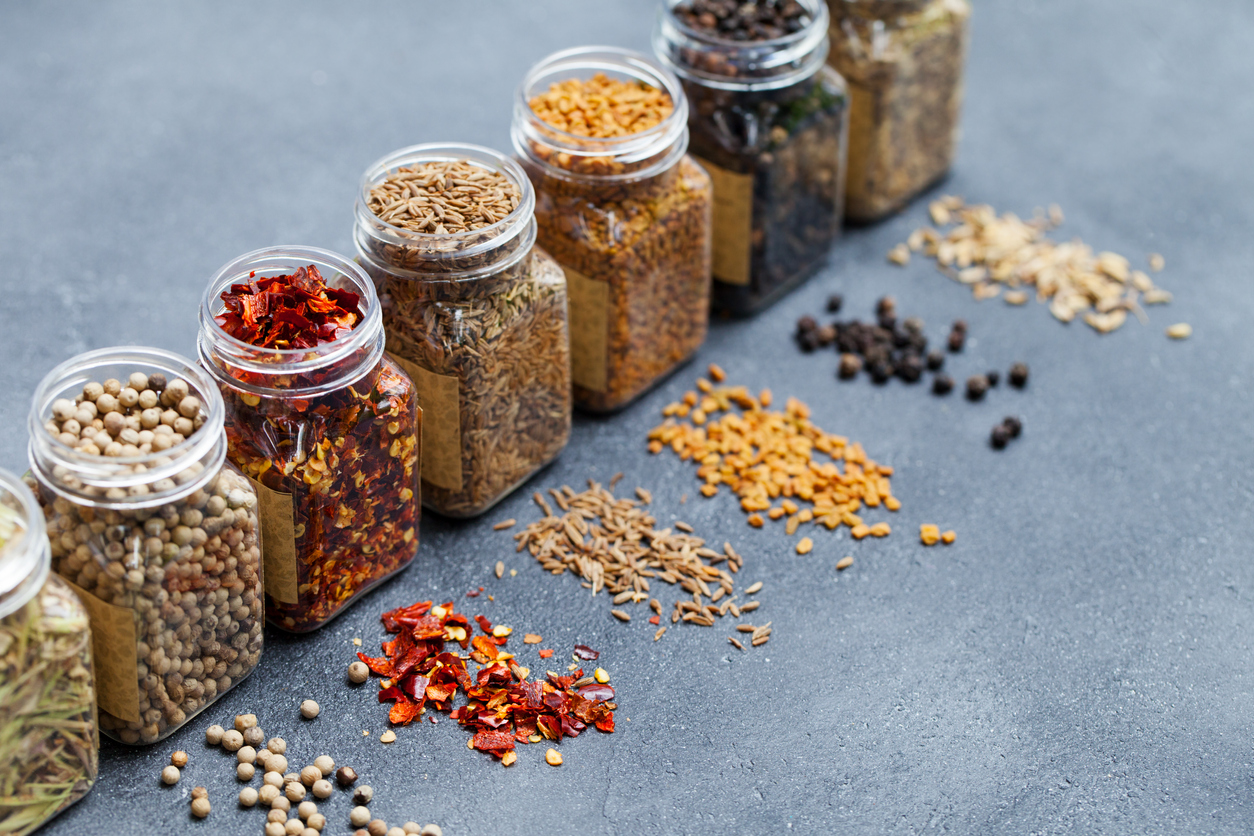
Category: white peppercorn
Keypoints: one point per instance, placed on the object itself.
(291, 778)
(263, 756)
(431, 830)
(325, 764)
(396, 831)
(358, 672)
(268, 793)
(245, 771)
(281, 803)
(213, 735)
(411, 828)
(253, 736)
(276, 828)
(377, 827)
(294, 791)
(346, 776)
(232, 740)
(273, 779)
(200, 792)
(322, 788)
(317, 821)
(248, 797)
(277, 763)
(309, 831)
(276, 815)
(170, 775)
(309, 709)
(359, 817)
(277, 745)
(310, 774)
(306, 809)
(294, 827)
(363, 795)
(246, 754)
(200, 807)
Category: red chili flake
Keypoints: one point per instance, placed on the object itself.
(484, 625)
(293, 311)
(657, 619)
(544, 654)
(501, 710)
(474, 593)
(585, 653)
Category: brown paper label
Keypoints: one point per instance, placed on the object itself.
(733, 223)
(113, 650)
(277, 518)
(589, 302)
(440, 399)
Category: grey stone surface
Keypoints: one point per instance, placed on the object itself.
(1080, 661)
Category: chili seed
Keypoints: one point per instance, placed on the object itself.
(1018, 376)
(553, 757)
(948, 537)
(388, 736)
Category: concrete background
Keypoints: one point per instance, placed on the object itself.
(1080, 661)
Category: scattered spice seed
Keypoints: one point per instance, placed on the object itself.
(1018, 376)
(553, 757)
(1157, 262)
(844, 563)
(532, 638)
(1180, 331)
(500, 568)
(309, 709)
(388, 736)
(948, 537)
(170, 775)
(504, 524)
(977, 386)
(942, 384)
(804, 545)
(929, 534)
(248, 797)
(661, 631)
(358, 673)
(735, 643)
(620, 615)
(179, 759)
(987, 252)
(754, 588)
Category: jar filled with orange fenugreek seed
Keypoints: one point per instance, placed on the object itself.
(768, 121)
(49, 740)
(602, 133)
(903, 60)
(474, 311)
(324, 424)
(154, 529)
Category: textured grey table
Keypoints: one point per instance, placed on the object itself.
(1078, 662)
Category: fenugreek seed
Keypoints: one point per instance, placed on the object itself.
(553, 757)
(620, 615)
(844, 563)
(500, 568)
(170, 775)
(805, 545)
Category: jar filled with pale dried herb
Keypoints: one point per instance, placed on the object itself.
(49, 741)
(155, 531)
(903, 60)
(324, 425)
(769, 123)
(474, 311)
(602, 133)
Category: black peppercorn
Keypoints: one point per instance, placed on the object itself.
(1013, 425)
(977, 385)
(806, 323)
(994, 377)
(834, 302)
(1000, 437)
(808, 340)
(942, 384)
(826, 335)
(850, 365)
(913, 324)
(880, 372)
(935, 359)
(960, 325)
(1018, 376)
(910, 368)
(957, 339)
(886, 306)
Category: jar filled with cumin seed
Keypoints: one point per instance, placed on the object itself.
(769, 123)
(903, 60)
(49, 739)
(474, 312)
(602, 133)
(153, 528)
(325, 426)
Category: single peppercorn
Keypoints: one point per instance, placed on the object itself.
(276, 763)
(850, 365)
(276, 816)
(1000, 437)
(957, 339)
(994, 377)
(322, 788)
(910, 369)
(254, 736)
(277, 745)
(213, 734)
(325, 764)
(310, 774)
(886, 306)
(309, 709)
(244, 721)
(942, 384)
(363, 795)
(248, 797)
(170, 775)
(834, 303)
(1018, 376)
(293, 827)
(200, 807)
(276, 828)
(1013, 425)
(245, 771)
(358, 672)
(431, 830)
(935, 359)
(360, 816)
(295, 791)
(806, 323)
(268, 793)
(377, 827)
(346, 776)
(179, 759)
(317, 821)
(274, 779)
(977, 385)
(306, 809)
(960, 325)
(232, 740)
(200, 792)
(880, 372)
(246, 754)
(281, 803)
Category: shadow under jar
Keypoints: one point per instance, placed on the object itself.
(628, 219)
(903, 60)
(329, 435)
(768, 122)
(49, 740)
(477, 317)
(161, 542)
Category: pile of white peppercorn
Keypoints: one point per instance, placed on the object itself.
(190, 568)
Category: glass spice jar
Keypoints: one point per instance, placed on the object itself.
(628, 219)
(769, 123)
(329, 435)
(903, 60)
(162, 547)
(49, 740)
(476, 317)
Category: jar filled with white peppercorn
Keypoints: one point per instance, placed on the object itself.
(903, 60)
(474, 312)
(769, 122)
(49, 741)
(153, 529)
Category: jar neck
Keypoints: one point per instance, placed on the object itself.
(473, 254)
(125, 481)
(712, 61)
(886, 10)
(609, 160)
(304, 373)
(25, 555)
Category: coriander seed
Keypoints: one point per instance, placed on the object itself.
(309, 709)
(170, 775)
(179, 759)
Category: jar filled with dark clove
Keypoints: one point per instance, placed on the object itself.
(768, 121)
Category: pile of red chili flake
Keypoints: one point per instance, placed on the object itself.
(291, 311)
(503, 707)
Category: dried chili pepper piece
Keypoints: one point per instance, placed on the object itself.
(290, 311)
(546, 653)
(585, 653)
(597, 692)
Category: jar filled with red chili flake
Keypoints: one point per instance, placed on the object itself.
(324, 424)
(474, 311)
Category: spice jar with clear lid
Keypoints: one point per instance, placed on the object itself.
(153, 529)
(325, 426)
(624, 210)
(769, 123)
(474, 312)
(903, 60)
(49, 740)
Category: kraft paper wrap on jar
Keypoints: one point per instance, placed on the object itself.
(163, 548)
(629, 220)
(479, 321)
(329, 436)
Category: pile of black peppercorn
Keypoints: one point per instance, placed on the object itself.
(741, 21)
(1008, 429)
